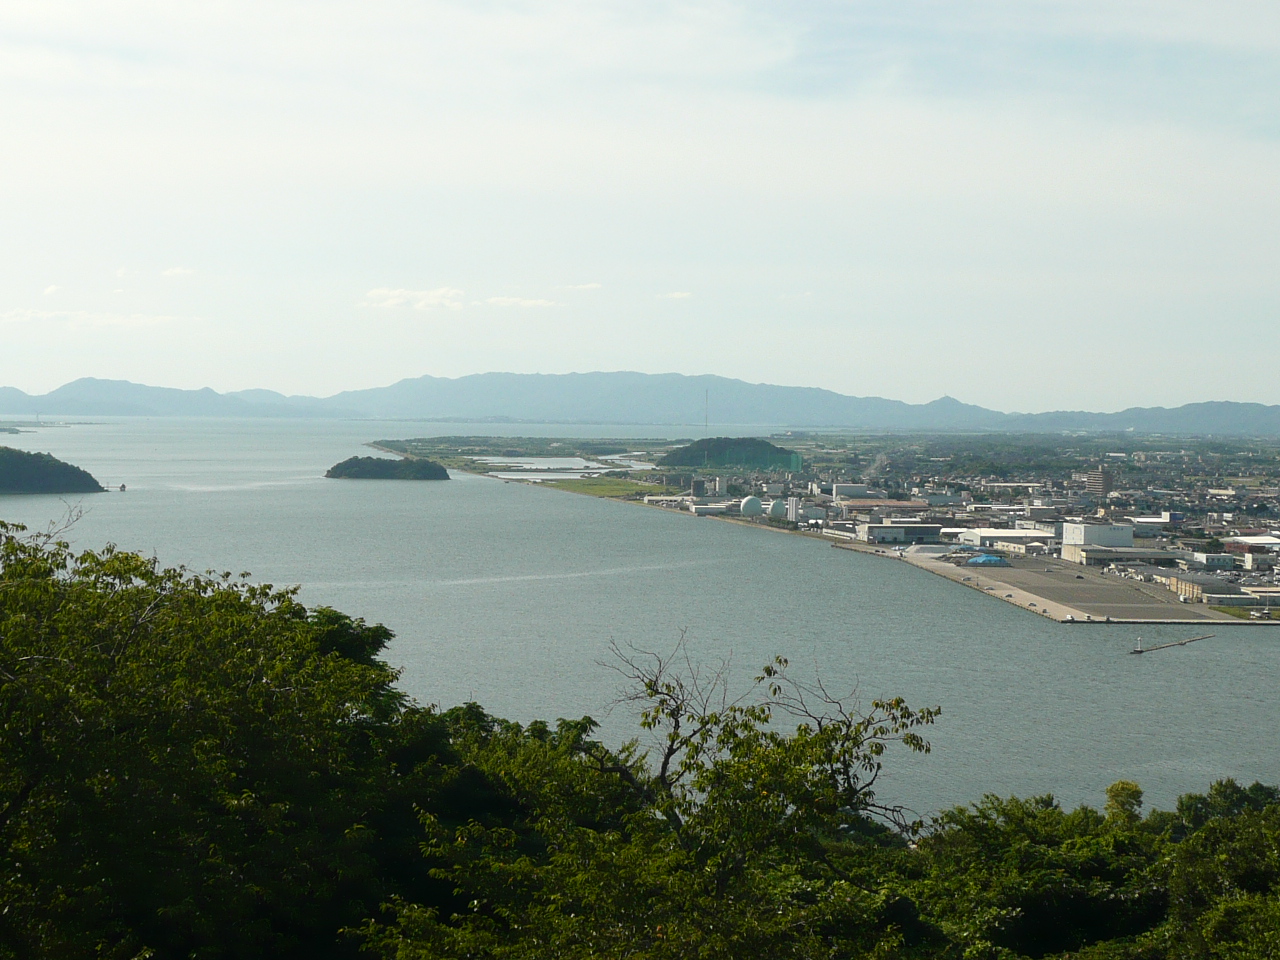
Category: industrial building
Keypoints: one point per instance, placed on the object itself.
(990, 536)
(880, 508)
(1206, 561)
(913, 533)
(1253, 544)
(854, 491)
(1098, 534)
(1205, 588)
(1105, 556)
(1076, 537)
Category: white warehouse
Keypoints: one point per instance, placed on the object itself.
(1098, 534)
(989, 536)
(1077, 536)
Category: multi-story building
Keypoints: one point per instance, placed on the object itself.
(1098, 483)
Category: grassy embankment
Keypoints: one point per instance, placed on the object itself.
(1243, 613)
(609, 487)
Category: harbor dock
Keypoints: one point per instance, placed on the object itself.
(1067, 592)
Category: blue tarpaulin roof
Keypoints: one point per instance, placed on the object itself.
(987, 560)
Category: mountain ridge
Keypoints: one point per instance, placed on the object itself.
(626, 397)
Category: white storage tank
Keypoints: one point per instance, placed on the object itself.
(778, 508)
(751, 507)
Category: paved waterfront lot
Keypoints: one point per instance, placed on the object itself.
(1057, 589)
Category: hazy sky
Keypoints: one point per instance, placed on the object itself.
(1026, 204)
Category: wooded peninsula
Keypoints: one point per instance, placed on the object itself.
(23, 472)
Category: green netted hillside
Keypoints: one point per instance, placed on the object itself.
(749, 452)
(22, 472)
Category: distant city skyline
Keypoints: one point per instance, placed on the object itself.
(1030, 207)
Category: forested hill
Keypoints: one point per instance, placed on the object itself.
(383, 468)
(22, 472)
(627, 397)
(749, 452)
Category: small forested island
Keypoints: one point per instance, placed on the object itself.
(380, 468)
(23, 472)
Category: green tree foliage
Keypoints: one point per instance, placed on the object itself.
(383, 468)
(194, 766)
(1224, 885)
(752, 828)
(740, 832)
(22, 472)
(1026, 878)
(1124, 801)
(199, 767)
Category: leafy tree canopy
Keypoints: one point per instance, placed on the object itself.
(195, 766)
(22, 472)
(384, 468)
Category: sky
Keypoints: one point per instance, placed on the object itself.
(1026, 204)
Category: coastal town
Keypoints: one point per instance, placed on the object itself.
(1077, 529)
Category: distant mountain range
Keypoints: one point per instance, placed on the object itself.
(630, 398)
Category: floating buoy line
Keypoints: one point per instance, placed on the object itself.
(1165, 646)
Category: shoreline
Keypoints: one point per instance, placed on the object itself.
(1060, 611)
(1051, 609)
(1068, 611)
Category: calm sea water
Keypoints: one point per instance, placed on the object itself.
(509, 595)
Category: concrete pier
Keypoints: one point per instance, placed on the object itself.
(1067, 592)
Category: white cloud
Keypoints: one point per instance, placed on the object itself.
(387, 298)
(675, 295)
(583, 286)
(51, 289)
(177, 272)
(519, 302)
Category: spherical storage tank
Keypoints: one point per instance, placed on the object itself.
(777, 508)
(751, 507)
